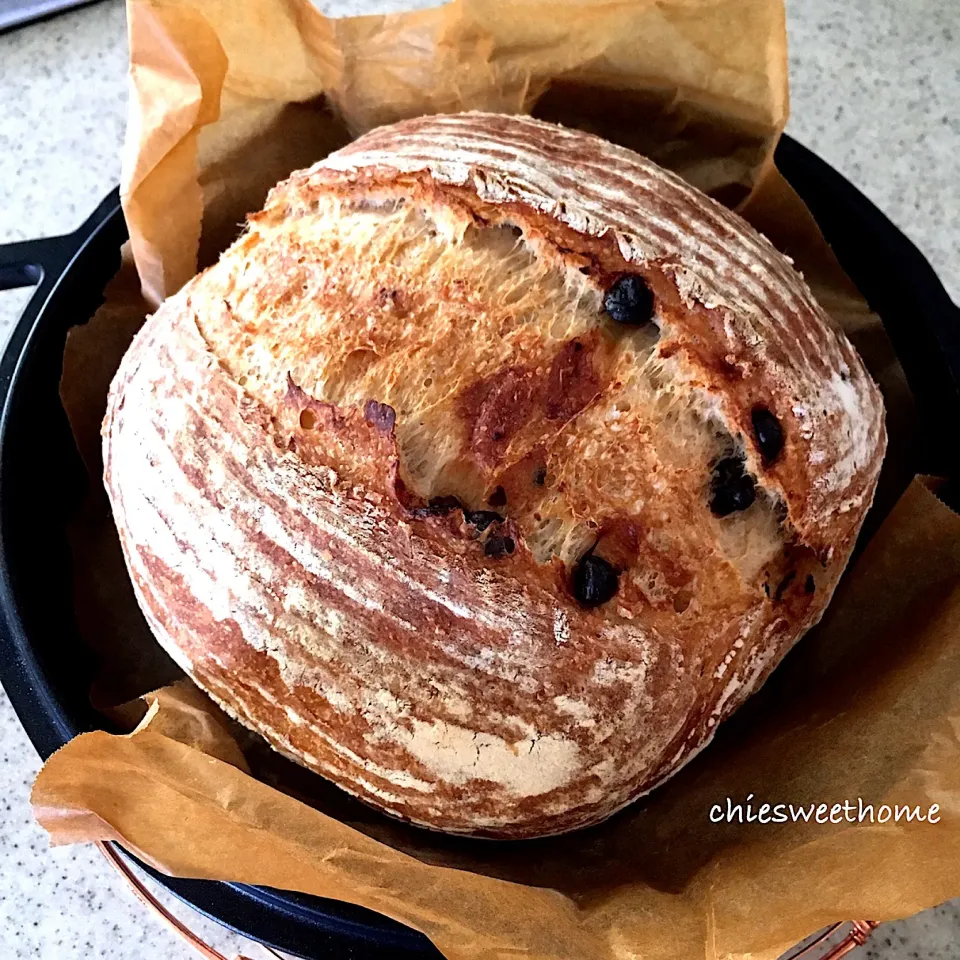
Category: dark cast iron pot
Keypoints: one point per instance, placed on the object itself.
(44, 666)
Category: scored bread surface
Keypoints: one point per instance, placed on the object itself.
(421, 316)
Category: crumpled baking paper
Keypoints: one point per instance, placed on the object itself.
(229, 96)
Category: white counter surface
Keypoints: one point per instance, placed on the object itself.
(875, 91)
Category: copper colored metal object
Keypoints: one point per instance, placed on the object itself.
(146, 897)
(856, 936)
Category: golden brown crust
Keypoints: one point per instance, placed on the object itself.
(266, 461)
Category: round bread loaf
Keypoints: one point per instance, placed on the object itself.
(489, 470)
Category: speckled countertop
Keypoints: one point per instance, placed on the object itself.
(875, 91)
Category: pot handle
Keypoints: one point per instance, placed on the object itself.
(27, 263)
(38, 263)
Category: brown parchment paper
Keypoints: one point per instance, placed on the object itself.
(228, 97)
(868, 706)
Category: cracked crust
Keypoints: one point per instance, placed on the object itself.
(354, 463)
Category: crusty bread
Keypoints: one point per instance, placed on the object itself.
(489, 470)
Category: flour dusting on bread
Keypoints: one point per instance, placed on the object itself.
(489, 470)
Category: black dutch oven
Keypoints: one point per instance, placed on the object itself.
(44, 666)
